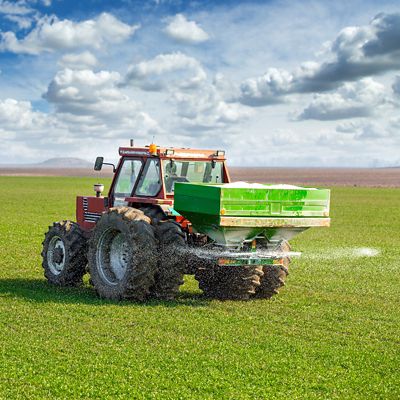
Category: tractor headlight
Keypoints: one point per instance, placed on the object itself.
(98, 188)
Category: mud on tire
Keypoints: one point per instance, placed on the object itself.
(64, 254)
(274, 275)
(172, 260)
(229, 282)
(123, 255)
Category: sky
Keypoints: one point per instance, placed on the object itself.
(274, 83)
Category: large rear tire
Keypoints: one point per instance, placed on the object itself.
(123, 255)
(229, 282)
(64, 254)
(172, 260)
(274, 275)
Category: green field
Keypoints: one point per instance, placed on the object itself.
(332, 333)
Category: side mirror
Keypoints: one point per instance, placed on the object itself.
(98, 163)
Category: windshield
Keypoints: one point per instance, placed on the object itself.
(191, 171)
(150, 180)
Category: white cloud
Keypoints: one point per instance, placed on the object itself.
(22, 22)
(90, 115)
(51, 34)
(82, 60)
(18, 116)
(396, 86)
(182, 30)
(266, 89)
(369, 129)
(165, 71)
(359, 99)
(356, 52)
(18, 12)
(91, 112)
(93, 103)
(14, 7)
(372, 130)
(205, 109)
(200, 105)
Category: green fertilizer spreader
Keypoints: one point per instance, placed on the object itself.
(231, 214)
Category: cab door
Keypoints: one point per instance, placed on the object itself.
(149, 183)
(128, 175)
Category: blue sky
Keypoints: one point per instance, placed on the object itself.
(275, 83)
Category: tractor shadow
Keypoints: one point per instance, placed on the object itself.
(38, 290)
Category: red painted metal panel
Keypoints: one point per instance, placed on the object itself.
(89, 210)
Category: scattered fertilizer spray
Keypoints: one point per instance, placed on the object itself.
(326, 254)
(346, 252)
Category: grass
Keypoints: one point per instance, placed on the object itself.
(332, 333)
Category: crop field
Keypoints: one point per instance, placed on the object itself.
(332, 333)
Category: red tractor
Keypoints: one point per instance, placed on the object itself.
(136, 246)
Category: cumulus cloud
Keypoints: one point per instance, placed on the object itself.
(18, 12)
(25, 133)
(182, 30)
(266, 89)
(84, 60)
(356, 52)
(351, 100)
(93, 102)
(14, 7)
(199, 103)
(51, 34)
(396, 86)
(368, 129)
(164, 71)
(206, 109)
(19, 116)
(88, 111)
(22, 22)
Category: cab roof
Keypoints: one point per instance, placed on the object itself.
(173, 153)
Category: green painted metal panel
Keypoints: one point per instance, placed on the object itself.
(269, 201)
(204, 204)
(197, 198)
(263, 201)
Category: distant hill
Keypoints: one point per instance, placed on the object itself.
(64, 162)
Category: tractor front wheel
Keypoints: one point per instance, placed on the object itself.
(123, 255)
(64, 254)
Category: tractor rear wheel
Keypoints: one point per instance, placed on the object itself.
(172, 260)
(229, 282)
(64, 254)
(274, 275)
(123, 255)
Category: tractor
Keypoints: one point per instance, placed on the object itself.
(171, 212)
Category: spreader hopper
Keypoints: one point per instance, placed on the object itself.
(235, 212)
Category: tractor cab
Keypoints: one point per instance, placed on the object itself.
(146, 176)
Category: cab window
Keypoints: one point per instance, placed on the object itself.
(191, 171)
(150, 181)
(126, 180)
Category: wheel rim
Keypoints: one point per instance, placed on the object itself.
(112, 256)
(56, 255)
